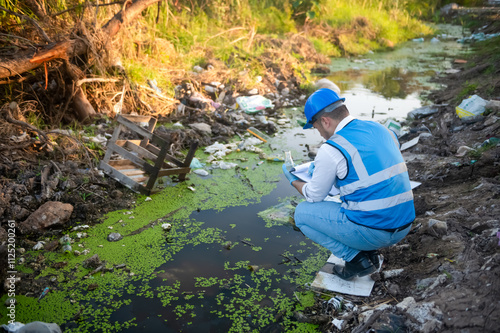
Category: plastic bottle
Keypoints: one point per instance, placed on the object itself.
(66, 248)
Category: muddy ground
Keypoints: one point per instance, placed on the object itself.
(449, 263)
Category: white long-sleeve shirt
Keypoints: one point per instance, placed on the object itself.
(328, 165)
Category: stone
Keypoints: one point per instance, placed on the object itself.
(3, 235)
(435, 228)
(392, 273)
(114, 237)
(406, 303)
(201, 127)
(52, 245)
(50, 214)
(92, 262)
(423, 112)
(427, 316)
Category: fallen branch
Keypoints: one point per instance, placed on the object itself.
(96, 79)
(8, 117)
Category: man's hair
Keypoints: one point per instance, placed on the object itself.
(338, 114)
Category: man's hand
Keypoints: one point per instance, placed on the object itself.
(289, 175)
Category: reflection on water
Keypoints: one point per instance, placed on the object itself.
(391, 83)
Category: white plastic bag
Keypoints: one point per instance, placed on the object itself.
(470, 107)
(253, 104)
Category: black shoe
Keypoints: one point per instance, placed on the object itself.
(374, 257)
(360, 265)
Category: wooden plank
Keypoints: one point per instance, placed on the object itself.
(109, 151)
(133, 185)
(120, 162)
(151, 127)
(134, 128)
(189, 158)
(166, 172)
(122, 143)
(134, 159)
(137, 118)
(142, 151)
(134, 172)
(141, 179)
(168, 157)
(158, 164)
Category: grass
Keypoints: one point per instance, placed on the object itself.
(467, 90)
(238, 33)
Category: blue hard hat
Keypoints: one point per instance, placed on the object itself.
(323, 99)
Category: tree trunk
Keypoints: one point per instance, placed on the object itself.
(23, 61)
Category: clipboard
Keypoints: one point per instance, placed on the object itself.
(302, 172)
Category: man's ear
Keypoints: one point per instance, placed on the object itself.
(325, 121)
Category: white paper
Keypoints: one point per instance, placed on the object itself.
(359, 286)
(301, 171)
(410, 143)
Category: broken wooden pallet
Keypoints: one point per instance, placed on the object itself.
(142, 161)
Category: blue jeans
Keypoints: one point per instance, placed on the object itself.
(325, 224)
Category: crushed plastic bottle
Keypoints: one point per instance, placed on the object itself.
(65, 241)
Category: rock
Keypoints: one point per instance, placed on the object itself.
(198, 69)
(440, 279)
(92, 262)
(435, 228)
(321, 70)
(493, 105)
(10, 301)
(38, 326)
(458, 213)
(39, 245)
(114, 237)
(50, 214)
(52, 245)
(423, 112)
(3, 235)
(19, 213)
(116, 194)
(392, 273)
(406, 303)
(201, 127)
(479, 227)
(393, 289)
(427, 317)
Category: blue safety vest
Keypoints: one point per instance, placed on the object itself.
(376, 191)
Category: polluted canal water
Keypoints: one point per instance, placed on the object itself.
(227, 263)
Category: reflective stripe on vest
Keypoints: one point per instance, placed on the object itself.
(376, 191)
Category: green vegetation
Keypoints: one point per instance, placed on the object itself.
(166, 41)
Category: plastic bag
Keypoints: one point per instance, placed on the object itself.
(253, 104)
(470, 107)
